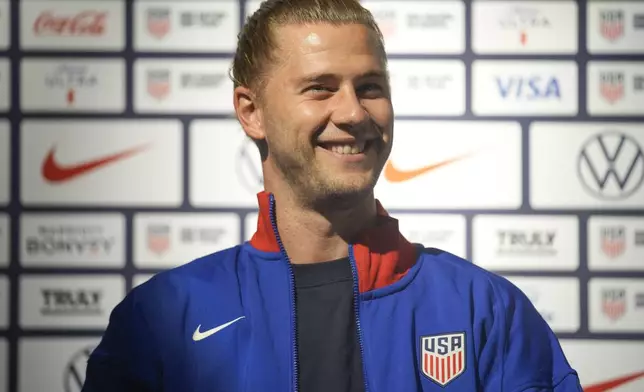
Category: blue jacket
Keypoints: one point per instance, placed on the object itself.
(427, 321)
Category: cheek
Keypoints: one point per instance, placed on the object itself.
(295, 125)
(279, 126)
(308, 110)
(381, 112)
(309, 118)
(286, 135)
(313, 112)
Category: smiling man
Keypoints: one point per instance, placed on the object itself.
(327, 295)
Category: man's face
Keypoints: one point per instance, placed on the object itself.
(327, 111)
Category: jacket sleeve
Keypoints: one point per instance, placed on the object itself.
(522, 353)
(126, 358)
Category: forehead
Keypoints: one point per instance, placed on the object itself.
(321, 45)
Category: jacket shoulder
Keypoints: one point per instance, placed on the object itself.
(147, 323)
(457, 267)
(446, 268)
(168, 291)
(208, 269)
(512, 326)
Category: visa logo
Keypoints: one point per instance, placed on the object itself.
(528, 89)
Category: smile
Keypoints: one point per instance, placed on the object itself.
(344, 148)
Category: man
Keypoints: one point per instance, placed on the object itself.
(328, 295)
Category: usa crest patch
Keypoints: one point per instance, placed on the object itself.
(442, 357)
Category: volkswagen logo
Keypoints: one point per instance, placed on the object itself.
(74, 376)
(249, 167)
(611, 166)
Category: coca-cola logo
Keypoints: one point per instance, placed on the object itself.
(84, 23)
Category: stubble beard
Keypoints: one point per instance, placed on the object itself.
(313, 188)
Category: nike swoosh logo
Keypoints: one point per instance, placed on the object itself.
(392, 174)
(52, 171)
(614, 383)
(197, 336)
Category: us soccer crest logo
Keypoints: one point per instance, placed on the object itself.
(611, 86)
(158, 22)
(613, 241)
(614, 303)
(158, 83)
(158, 239)
(611, 24)
(442, 357)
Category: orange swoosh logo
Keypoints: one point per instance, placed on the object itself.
(614, 383)
(52, 171)
(392, 174)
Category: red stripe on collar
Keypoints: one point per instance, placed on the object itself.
(264, 238)
(382, 254)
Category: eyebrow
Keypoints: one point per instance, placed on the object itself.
(320, 77)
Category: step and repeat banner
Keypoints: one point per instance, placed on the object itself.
(120, 157)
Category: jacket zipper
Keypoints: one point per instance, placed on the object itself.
(356, 309)
(356, 302)
(292, 291)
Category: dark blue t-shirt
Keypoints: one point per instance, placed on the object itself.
(328, 346)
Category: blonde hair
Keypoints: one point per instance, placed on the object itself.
(256, 44)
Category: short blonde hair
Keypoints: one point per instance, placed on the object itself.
(256, 42)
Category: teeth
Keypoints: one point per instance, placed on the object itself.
(355, 148)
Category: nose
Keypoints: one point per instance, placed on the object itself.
(348, 111)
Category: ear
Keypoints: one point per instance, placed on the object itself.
(248, 112)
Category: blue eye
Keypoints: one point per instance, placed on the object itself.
(372, 86)
(371, 90)
(318, 88)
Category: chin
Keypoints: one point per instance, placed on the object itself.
(350, 188)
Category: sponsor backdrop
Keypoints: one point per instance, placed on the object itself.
(521, 124)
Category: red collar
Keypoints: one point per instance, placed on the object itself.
(383, 256)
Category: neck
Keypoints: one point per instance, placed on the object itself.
(312, 235)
